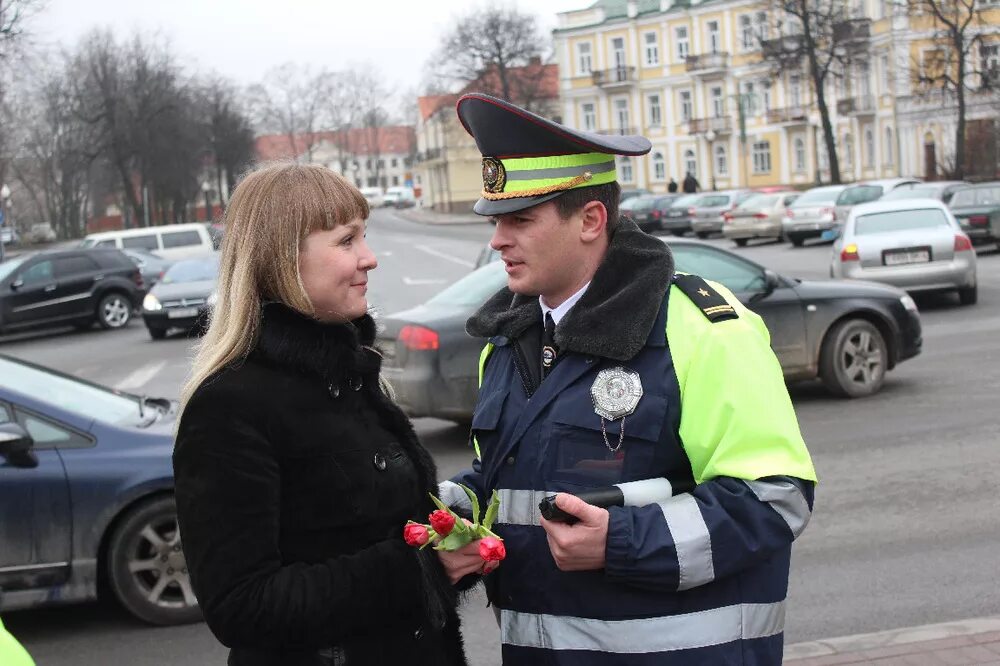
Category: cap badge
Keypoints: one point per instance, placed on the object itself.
(494, 175)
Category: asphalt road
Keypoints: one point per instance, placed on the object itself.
(907, 523)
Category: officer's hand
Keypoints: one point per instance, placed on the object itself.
(462, 562)
(578, 547)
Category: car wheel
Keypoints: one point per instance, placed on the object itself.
(853, 359)
(114, 311)
(146, 565)
(157, 333)
(968, 295)
(797, 241)
(740, 242)
(701, 234)
(678, 232)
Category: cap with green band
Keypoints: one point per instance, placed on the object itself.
(528, 159)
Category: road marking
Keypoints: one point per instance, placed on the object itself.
(419, 281)
(443, 255)
(141, 377)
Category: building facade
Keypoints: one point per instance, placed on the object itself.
(679, 72)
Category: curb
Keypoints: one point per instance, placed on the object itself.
(891, 638)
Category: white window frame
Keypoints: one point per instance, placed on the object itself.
(589, 119)
(714, 37)
(762, 157)
(625, 164)
(763, 27)
(799, 150)
(690, 162)
(584, 58)
(659, 167)
(748, 36)
(795, 90)
(885, 78)
(651, 49)
(718, 101)
(765, 95)
(620, 106)
(682, 38)
(613, 52)
(750, 95)
(869, 156)
(848, 150)
(686, 104)
(721, 160)
(654, 112)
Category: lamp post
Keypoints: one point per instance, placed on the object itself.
(206, 188)
(710, 137)
(4, 201)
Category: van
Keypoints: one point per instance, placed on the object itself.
(400, 197)
(174, 241)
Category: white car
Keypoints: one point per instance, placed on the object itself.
(400, 197)
(913, 244)
(373, 195)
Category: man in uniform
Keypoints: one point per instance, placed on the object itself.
(604, 369)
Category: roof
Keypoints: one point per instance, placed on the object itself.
(430, 104)
(399, 139)
(527, 83)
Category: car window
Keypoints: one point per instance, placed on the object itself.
(147, 242)
(110, 242)
(192, 270)
(644, 203)
(71, 394)
(685, 201)
(473, 289)
(712, 201)
(11, 265)
(760, 201)
(181, 239)
(900, 220)
(743, 196)
(4, 414)
(69, 266)
(976, 196)
(48, 434)
(818, 196)
(729, 270)
(40, 272)
(858, 195)
(790, 199)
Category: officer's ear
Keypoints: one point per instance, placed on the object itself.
(595, 221)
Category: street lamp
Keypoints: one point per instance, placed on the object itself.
(206, 187)
(710, 137)
(4, 205)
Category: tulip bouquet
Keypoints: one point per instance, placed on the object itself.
(448, 531)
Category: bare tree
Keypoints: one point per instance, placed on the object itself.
(500, 49)
(291, 101)
(230, 132)
(953, 68)
(14, 17)
(372, 98)
(820, 37)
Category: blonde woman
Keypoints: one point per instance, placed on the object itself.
(295, 473)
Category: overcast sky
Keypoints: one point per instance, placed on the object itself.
(241, 39)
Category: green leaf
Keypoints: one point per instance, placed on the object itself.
(492, 511)
(454, 541)
(441, 505)
(475, 503)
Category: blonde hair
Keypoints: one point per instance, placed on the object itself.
(271, 212)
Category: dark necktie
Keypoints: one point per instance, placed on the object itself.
(549, 349)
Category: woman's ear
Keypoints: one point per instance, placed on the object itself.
(595, 221)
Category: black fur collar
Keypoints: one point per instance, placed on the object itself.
(614, 316)
(311, 347)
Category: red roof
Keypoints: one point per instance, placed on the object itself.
(430, 104)
(399, 139)
(527, 84)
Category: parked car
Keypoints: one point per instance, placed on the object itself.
(869, 190)
(847, 333)
(173, 241)
(41, 233)
(399, 197)
(626, 206)
(151, 266)
(812, 214)
(629, 194)
(182, 298)
(74, 287)
(758, 217)
(916, 245)
(86, 497)
(708, 209)
(373, 195)
(942, 190)
(648, 210)
(677, 218)
(977, 209)
(9, 236)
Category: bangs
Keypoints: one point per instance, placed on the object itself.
(326, 200)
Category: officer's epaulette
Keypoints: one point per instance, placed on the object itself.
(708, 300)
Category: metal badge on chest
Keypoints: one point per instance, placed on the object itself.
(615, 393)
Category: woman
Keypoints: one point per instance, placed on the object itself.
(295, 473)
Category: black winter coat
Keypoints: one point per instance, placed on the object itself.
(294, 478)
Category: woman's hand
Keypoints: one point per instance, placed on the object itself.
(460, 563)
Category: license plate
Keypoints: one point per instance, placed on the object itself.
(182, 313)
(677, 214)
(897, 258)
(829, 234)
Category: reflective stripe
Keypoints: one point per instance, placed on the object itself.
(520, 507)
(646, 491)
(785, 498)
(452, 495)
(691, 539)
(656, 634)
(561, 172)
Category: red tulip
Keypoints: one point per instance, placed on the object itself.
(492, 549)
(442, 522)
(415, 534)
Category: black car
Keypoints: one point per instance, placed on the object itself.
(649, 210)
(677, 216)
(848, 333)
(69, 287)
(152, 266)
(183, 296)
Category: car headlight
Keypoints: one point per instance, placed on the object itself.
(151, 303)
(908, 302)
(212, 299)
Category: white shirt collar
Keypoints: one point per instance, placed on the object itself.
(560, 312)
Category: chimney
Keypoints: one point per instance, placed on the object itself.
(632, 9)
(535, 60)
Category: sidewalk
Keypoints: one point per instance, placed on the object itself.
(428, 216)
(968, 642)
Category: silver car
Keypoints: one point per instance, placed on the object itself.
(915, 244)
(812, 214)
(708, 210)
(757, 217)
(865, 191)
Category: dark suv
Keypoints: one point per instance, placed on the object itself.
(69, 286)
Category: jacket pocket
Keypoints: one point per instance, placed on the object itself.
(486, 419)
(581, 453)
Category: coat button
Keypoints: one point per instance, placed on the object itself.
(380, 462)
(418, 634)
(510, 460)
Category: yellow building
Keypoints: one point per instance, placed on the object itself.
(677, 70)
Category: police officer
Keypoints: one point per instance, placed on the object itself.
(605, 368)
